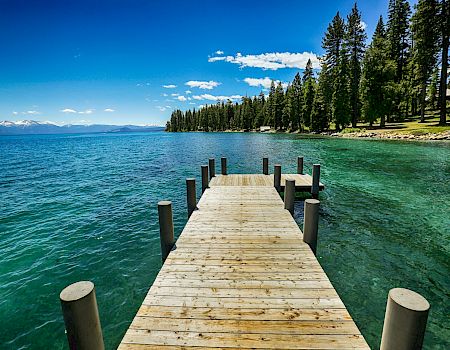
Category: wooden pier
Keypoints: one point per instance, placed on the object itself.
(240, 276)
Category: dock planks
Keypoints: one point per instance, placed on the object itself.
(241, 277)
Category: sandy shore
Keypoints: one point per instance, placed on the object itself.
(394, 135)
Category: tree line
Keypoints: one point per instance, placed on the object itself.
(401, 72)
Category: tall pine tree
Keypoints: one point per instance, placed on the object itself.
(354, 42)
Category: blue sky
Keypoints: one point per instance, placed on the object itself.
(132, 61)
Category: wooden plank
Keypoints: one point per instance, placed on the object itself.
(241, 277)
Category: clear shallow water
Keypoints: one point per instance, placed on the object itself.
(83, 207)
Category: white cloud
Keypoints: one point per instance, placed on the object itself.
(363, 25)
(108, 110)
(68, 110)
(161, 108)
(15, 113)
(174, 95)
(263, 82)
(87, 111)
(192, 103)
(219, 52)
(31, 112)
(188, 92)
(169, 86)
(272, 60)
(216, 98)
(181, 98)
(165, 95)
(208, 85)
(168, 107)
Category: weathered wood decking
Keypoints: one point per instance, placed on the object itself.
(302, 182)
(241, 277)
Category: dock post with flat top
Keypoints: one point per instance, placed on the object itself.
(266, 166)
(311, 223)
(191, 196)
(212, 167)
(79, 308)
(289, 196)
(405, 320)
(165, 228)
(223, 164)
(277, 177)
(315, 181)
(300, 165)
(204, 177)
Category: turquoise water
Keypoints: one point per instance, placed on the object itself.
(83, 207)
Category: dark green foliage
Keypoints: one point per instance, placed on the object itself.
(354, 42)
(425, 31)
(377, 83)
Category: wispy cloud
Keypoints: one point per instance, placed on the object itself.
(70, 110)
(174, 95)
(15, 113)
(271, 61)
(109, 110)
(188, 92)
(181, 98)
(161, 108)
(169, 86)
(263, 82)
(206, 85)
(219, 52)
(216, 98)
(31, 112)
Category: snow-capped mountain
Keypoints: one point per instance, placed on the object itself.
(46, 127)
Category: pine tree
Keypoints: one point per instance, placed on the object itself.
(377, 82)
(341, 95)
(355, 37)
(278, 107)
(333, 40)
(319, 113)
(425, 34)
(297, 103)
(308, 93)
(444, 23)
(433, 90)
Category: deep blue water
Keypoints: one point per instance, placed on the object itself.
(83, 207)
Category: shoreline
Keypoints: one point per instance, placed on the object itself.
(393, 135)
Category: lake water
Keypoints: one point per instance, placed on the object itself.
(83, 207)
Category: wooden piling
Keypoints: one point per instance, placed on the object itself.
(191, 196)
(277, 177)
(311, 223)
(405, 320)
(212, 167)
(299, 165)
(223, 163)
(79, 308)
(289, 196)
(204, 178)
(266, 166)
(165, 228)
(315, 181)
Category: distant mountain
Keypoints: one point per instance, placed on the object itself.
(38, 127)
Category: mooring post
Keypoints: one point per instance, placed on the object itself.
(223, 163)
(79, 308)
(165, 228)
(266, 166)
(212, 168)
(289, 196)
(315, 181)
(205, 180)
(405, 320)
(299, 165)
(191, 196)
(277, 177)
(311, 223)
